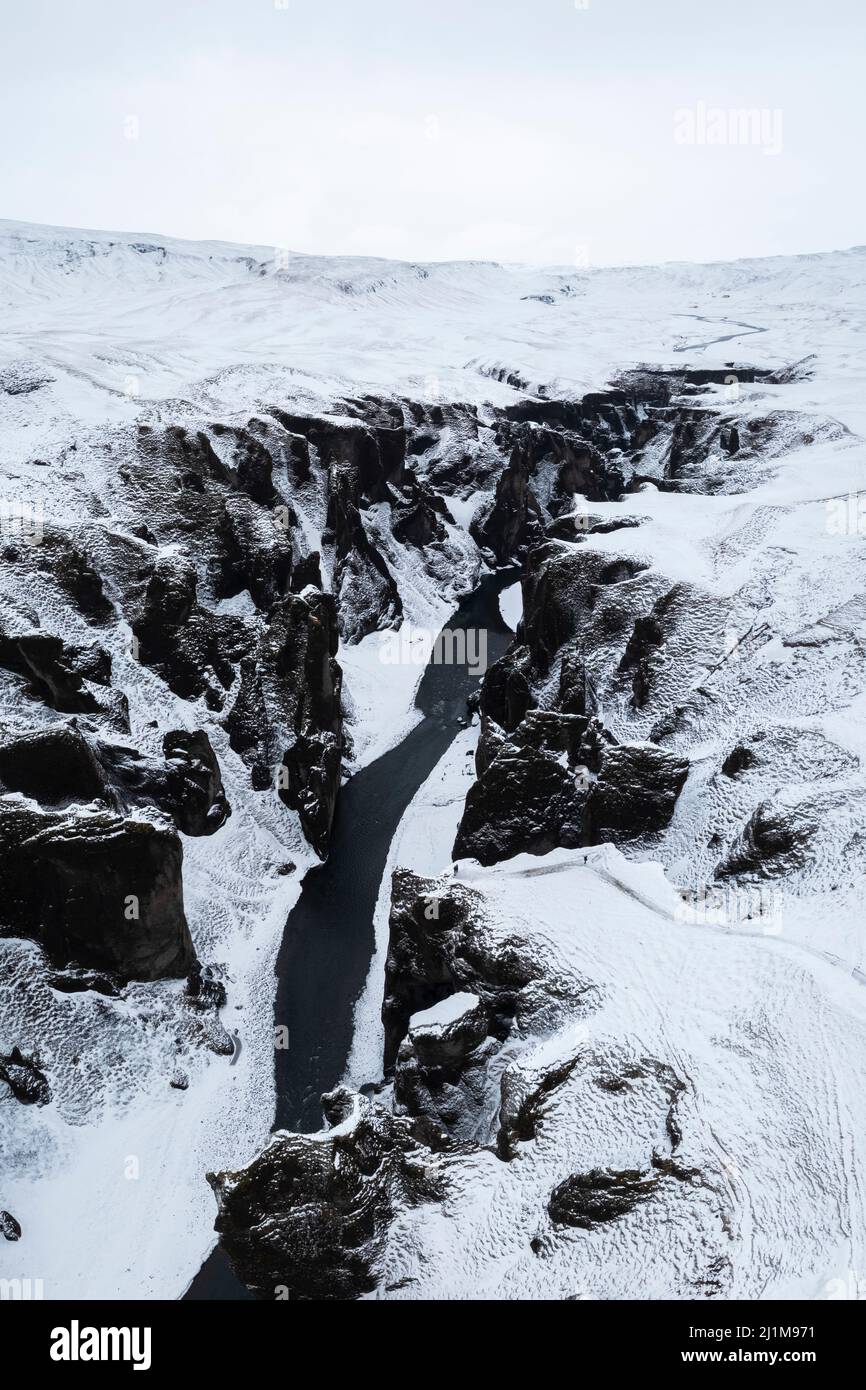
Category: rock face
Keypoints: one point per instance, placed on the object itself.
(306, 1219)
(54, 765)
(102, 891)
(211, 525)
(9, 1227)
(312, 781)
(440, 1072)
(635, 793)
(774, 840)
(65, 678)
(194, 649)
(291, 691)
(532, 795)
(96, 884)
(60, 765)
(436, 950)
(456, 990)
(27, 1083)
(364, 463)
(585, 1199)
(556, 776)
(194, 785)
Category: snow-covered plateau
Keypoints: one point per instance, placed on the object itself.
(613, 1036)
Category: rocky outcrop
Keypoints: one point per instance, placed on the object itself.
(312, 780)
(272, 678)
(194, 788)
(547, 467)
(740, 759)
(258, 553)
(195, 650)
(640, 655)
(562, 780)
(9, 1227)
(307, 1218)
(436, 949)
(101, 890)
(25, 1080)
(565, 586)
(59, 765)
(284, 679)
(524, 1093)
(532, 794)
(67, 559)
(550, 774)
(286, 719)
(75, 980)
(635, 792)
(441, 1068)
(56, 673)
(586, 1199)
(362, 462)
(55, 766)
(514, 513)
(443, 947)
(775, 839)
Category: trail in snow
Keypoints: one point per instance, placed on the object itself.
(748, 328)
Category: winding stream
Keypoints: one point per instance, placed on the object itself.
(329, 938)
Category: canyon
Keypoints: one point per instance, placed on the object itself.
(543, 1039)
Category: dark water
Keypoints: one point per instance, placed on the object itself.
(329, 939)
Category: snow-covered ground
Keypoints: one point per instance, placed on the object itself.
(101, 330)
(117, 320)
(769, 1041)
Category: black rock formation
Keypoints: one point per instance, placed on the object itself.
(193, 783)
(436, 949)
(585, 1199)
(306, 1219)
(24, 1078)
(101, 890)
(9, 1227)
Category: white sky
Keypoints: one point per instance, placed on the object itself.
(432, 129)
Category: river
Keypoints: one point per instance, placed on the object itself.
(329, 939)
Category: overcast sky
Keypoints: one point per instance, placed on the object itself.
(434, 129)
